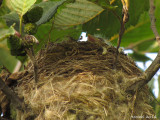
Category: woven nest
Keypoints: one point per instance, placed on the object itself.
(77, 82)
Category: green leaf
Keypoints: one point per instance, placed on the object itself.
(33, 15)
(7, 60)
(136, 8)
(140, 37)
(104, 3)
(49, 9)
(55, 35)
(5, 32)
(139, 57)
(21, 6)
(108, 23)
(12, 18)
(3, 9)
(79, 12)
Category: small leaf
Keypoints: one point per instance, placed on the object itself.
(21, 6)
(3, 9)
(7, 59)
(107, 23)
(12, 18)
(140, 37)
(55, 35)
(4, 32)
(49, 9)
(105, 4)
(33, 15)
(77, 13)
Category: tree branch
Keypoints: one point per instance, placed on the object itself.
(31, 54)
(137, 83)
(152, 18)
(17, 102)
(28, 42)
(125, 18)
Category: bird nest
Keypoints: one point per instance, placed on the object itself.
(77, 82)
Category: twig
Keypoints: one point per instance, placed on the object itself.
(156, 100)
(4, 68)
(16, 101)
(122, 29)
(28, 41)
(125, 18)
(152, 18)
(159, 88)
(31, 54)
(138, 83)
(49, 36)
(18, 67)
(35, 65)
(49, 33)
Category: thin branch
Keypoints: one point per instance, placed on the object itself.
(153, 20)
(31, 54)
(20, 25)
(17, 67)
(159, 88)
(28, 41)
(4, 68)
(138, 83)
(16, 101)
(122, 29)
(35, 66)
(49, 35)
(125, 18)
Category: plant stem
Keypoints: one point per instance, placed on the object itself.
(137, 83)
(153, 20)
(20, 25)
(125, 18)
(18, 103)
(31, 54)
(17, 67)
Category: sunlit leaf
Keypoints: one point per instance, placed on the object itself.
(3, 9)
(106, 4)
(55, 34)
(21, 6)
(11, 18)
(77, 13)
(7, 60)
(49, 9)
(140, 37)
(5, 32)
(108, 23)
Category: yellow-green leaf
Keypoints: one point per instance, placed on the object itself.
(5, 32)
(21, 6)
(79, 12)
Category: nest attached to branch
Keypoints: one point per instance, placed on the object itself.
(77, 82)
